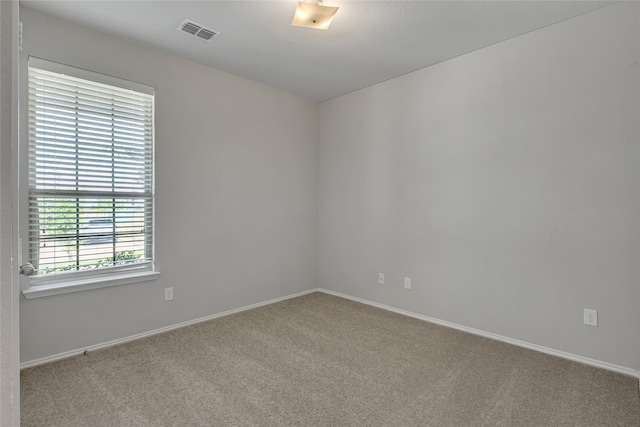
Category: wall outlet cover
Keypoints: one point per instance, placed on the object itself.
(590, 317)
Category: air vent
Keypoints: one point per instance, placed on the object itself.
(197, 30)
(206, 34)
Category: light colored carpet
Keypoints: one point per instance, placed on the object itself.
(320, 360)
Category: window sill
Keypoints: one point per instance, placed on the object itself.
(88, 283)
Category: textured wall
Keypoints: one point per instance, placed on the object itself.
(505, 182)
(236, 194)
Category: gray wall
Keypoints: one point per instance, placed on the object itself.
(8, 364)
(505, 182)
(236, 187)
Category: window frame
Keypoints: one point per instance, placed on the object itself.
(65, 282)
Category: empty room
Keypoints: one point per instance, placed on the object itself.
(334, 213)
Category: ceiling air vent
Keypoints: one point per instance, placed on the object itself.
(197, 30)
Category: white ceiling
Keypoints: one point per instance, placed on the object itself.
(368, 41)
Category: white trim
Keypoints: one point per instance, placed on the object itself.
(92, 274)
(15, 201)
(88, 283)
(519, 343)
(67, 354)
(80, 73)
(574, 357)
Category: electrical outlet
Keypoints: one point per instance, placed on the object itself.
(407, 282)
(381, 278)
(168, 294)
(590, 317)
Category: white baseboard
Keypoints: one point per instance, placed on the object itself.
(66, 354)
(519, 343)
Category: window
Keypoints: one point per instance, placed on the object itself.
(91, 196)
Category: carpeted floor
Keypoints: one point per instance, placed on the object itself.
(320, 360)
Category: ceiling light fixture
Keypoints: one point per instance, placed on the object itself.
(314, 15)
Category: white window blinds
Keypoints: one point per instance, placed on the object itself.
(90, 172)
